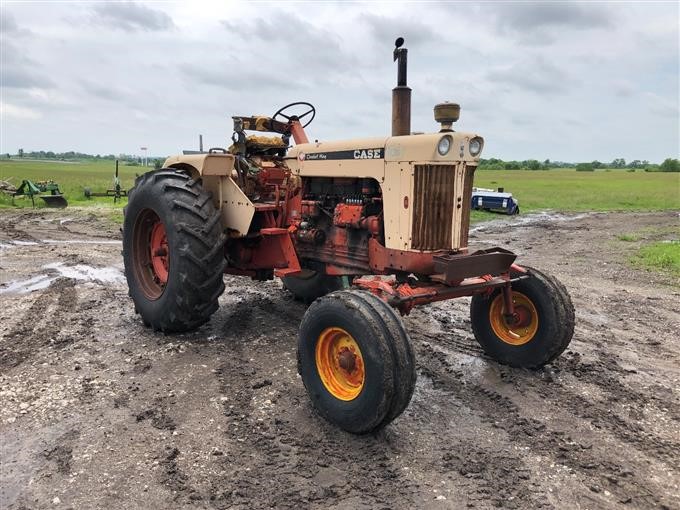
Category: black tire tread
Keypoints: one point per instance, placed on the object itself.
(358, 304)
(562, 307)
(405, 374)
(198, 247)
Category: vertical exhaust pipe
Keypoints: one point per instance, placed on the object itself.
(401, 94)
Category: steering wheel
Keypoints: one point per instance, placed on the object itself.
(288, 118)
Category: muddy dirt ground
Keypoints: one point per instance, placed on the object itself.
(97, 411)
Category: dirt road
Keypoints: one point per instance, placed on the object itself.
(98, 412)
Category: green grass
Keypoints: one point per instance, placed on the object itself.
(661, 256)
(562, 190)
(630, 238)
(568, 190)
(72, 177)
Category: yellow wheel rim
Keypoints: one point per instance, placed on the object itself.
(520, 331)
(340, 363)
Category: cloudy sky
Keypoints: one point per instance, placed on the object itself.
(565, 81)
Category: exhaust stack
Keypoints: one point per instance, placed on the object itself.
(401, 94)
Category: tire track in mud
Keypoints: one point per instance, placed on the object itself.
(493, 477)
(500, 412)
(600, 414)
(9, 229)
(39, 325)
(255, 305)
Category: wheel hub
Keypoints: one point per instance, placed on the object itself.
(518, 328)
(347, 361)
(340, 363)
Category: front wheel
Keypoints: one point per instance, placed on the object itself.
(173, 250)
(539, 332)
(356, 361)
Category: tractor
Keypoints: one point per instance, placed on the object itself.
(363, 230)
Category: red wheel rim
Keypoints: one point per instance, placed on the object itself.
(159, 252)
(150, 254)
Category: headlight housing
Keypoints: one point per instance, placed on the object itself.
(475, 146)
(444, 145)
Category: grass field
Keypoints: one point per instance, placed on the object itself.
(562, 190)
(663, 256)
(568, 190)
(72, 177)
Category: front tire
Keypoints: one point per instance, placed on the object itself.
(173, 250)
(543, 327)
(356, 361)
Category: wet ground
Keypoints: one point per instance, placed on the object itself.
(98, 412)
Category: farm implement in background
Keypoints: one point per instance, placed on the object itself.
(494, 201)
(53, 197)
(117, 192)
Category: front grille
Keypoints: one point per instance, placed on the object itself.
(466, 201)
(433, 207)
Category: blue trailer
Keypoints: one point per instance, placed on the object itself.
(495, 201)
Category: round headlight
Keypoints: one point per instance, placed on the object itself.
(444, 146)
(475, 146)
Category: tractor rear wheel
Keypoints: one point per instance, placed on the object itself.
(310, 285)
(173, 250)
(541, 329)
(356, 361)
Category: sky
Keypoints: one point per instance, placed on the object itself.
(566, 81)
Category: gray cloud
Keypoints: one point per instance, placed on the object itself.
(131, 17)
(296, 39)
(7, 23)
(284, 27)
(536, 15)
(23, 79)
(230, 77)
(541, 23)
(533, 74)
(101, 91)
(19, 71)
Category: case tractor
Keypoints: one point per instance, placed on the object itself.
(363, 229)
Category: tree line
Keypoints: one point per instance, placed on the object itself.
(668, 165)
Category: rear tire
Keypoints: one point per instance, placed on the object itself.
(544, 331)
(310, 285)
(173, 250)
(377, 385)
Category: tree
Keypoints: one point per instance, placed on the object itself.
(670, 165)
(618, 163)
(596, 164)
(584, 167)
(21, 153)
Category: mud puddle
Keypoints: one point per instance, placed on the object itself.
(55, 270)
(525, 220)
